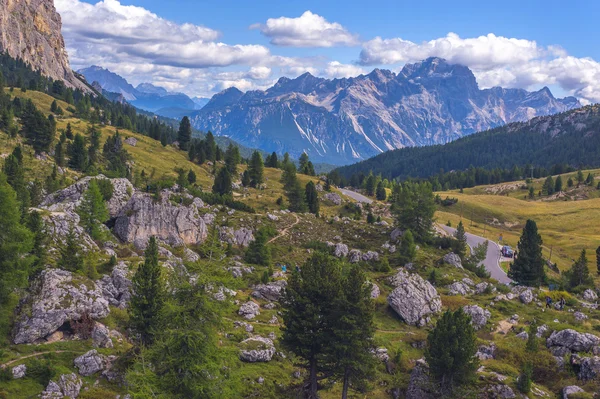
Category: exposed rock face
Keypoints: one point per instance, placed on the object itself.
(500, 391)
(570, 390)
(375, 291)
(101, 336)
(459, 288)
(257, 349)
(453, 259)
(486, 352)
(479, 316)
(420, 385)
(19, 371)
(60, 224)
(413, 299)
(523, 335)
(370, 256)
(31, 30)
(526, 296)
(590, 296)
(116, 288)
(396, 234)
(589, 368)
(143, 217)
(271, 291)
(57, 296)
(69, 385)
(339, 250)
(241, 237)
(334, 198)
(573, 340)
(90, 363)
(249, 310)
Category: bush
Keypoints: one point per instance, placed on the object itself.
(524, 380)
(106, 188)
(41, 371)
(383, 266)
(317, 245)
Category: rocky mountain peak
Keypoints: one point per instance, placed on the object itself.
(31, 31)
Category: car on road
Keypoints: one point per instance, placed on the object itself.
(507, 251)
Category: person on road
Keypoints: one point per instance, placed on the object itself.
(548, 302)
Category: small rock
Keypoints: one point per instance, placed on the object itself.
(526, 296)
(249, 310)
(101, 336)
(590, 295)
(523, 335)
(580, 316)
(19, 371)
(453, 259)
(333, 198)
(486, 352)
(479, 316)
(570, 390)
(257, 349)
(260, 380)
(90, 363)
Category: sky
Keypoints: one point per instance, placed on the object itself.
(202, 47)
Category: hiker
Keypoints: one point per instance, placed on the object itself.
(562, 303)
(548, 302)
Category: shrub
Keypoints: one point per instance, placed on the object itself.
(41, 371)
(524, 380)
(317, 245)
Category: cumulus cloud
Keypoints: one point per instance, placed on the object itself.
(496, 61)
(307, 30)
(335, 69)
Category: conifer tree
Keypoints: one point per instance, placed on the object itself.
(54, 106)
(414, 209)
(327, 186)
(312, 198)
(370, 185)
(580, 178)
(191, 177)
(94, 147)
(15, 242)
(303, 163)
(93, 210)
(258, 252)
(558, 185)
(246, 179)
(548, 187)
(256, 170)
(380, 193)
(71, 257)
(210, 147)
(461, 237)
(528, 267)
(222, 184)
(184, 134)
(78, 156)
(293, 189)
(232, 159)
(69, 131)
(579, 273)
(452, 345)
(408, 248)
(272, 161)
(598, 259)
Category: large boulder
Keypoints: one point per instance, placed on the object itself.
(572, 341)
(59, 224)
(19, 371)
(333, 198)
(241, 237)
(396, 234)
(453, 259)
(175, 224)
(589, 368)
(257, 349)
(459, 288)
(271, 291)
(339, 250)
(590, 296)
(355, 256)
(90, 363)
(570, 390)
(101, 336)
(69, 385)
(249, 310)
(56, 297)
(116, 288)
(500, 391)
(479, 316)
(420, 385)
(414, 298)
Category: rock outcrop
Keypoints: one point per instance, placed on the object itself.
(453, 259)
(572, 341)
(420, 385)
(249, 310)
(334, 198)
(57, 297)
(241, 237)
(31, 31)
(413, 299)
(257, 349)
(271, 291)
(116, 288)
(175, 224)
(68, 385)
(570, 390)
(90, 363)
(589, 368)
(479, 316)
(19, 371)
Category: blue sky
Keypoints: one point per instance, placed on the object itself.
(525, 43)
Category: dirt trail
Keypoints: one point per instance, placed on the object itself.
(285, 231)
(5, 365)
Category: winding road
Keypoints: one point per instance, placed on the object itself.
(355, 196)
(492, 259)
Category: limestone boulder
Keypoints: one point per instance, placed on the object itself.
(414, 299)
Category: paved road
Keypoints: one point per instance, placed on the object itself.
(356, 196)
(492, 259)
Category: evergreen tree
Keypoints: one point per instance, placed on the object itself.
(524, 380)
(548, 187)
(579, 273)
(452, 345)
(310, 316)
(232, 159)
(327, 186)
(54, 106)
(38, 129)
(69, 131)
(93, 210)
(370, 185)
(116, 155)
(71, 257)
(15, 242)
(258, 252)
(256, 170)
(590, 179)
(528, 267)
(246, 178)
(580, 178)
(303, 163)
(13, 170)
(148, 295)
(370, 218)
(40, 242)
(461, 237)
(558, 185)
(59, 153)
(94, 147)
(380, 193)
(192, 152)
(272, 161)
(353, 331)
(191, 177)
(598, 259)
(78, 156)
(415, 208)
(408, 248)
(312, 198)
(222, 184)
(210, 147)
(286, 160)
(184, 134)
(570, 182)
(293, 189)
(532, 344)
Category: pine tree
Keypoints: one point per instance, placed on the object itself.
(532, 344)
(78, 156)
(590, 179)
(415, 208)
(40, 242)
(293, 189)
(303, 163)
(548, 187)
(452, 345)
(222, 184)
(184, 134)
(461, 237)
(310, 316)
(408, 248)
(327, 186)
(528, 267)
(258, 252)
(191, 177)
(54, 106)
(232, 159)
(71, 257)
(69, 131)
(192, 152)
(94, 147)
(370, 218)
(210, 147)
(380, 193)
(312, 198)
(93, 210)
(370, 185)
(579, 273)
(15, 242)
(246, 179)
(256, 170)
(558, 185)
(272, 161)
(353, 331)
(570, 182)
(580, 178)
(148, 295)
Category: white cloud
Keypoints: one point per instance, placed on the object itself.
(335, 69)
(308, 30)
(496, 61)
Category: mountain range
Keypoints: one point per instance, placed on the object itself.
(341, 121)
(145, 96)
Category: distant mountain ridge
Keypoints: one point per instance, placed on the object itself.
(145, 95)
(342, 121)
